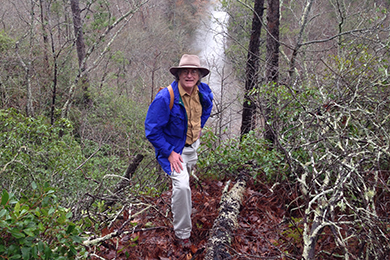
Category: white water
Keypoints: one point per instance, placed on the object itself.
(210, 44)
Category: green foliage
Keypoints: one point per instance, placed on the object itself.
(111, 134)
(251, 152)
(120, 118)
(37, 227)
(294, 231)
(147, 191)
(102, 18)
(119, 58)
(31, 150)
(5, 42)
(99, 21)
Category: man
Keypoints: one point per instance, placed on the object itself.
(174, 133)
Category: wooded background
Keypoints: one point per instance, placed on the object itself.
(76, 79)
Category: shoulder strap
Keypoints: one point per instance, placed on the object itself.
(172, 96)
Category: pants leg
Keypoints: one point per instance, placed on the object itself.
(181, 193)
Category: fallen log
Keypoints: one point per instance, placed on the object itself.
(129, 172)
(221, 234)
(125, 181)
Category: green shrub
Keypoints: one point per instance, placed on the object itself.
(37, 227)
(32, 150)
(232, 155)
(5, 41)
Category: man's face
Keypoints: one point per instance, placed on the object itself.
(188, 78)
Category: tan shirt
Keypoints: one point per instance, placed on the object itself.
(194, 113)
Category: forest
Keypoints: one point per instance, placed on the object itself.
(293, 163)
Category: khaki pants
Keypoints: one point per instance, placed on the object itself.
(181, 193)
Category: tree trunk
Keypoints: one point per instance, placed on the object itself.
(272, 56)
(304, 22)
(82, 75)
(54, 92)
(221, 234)
(49, 46)
(28, 65)
(44, 22)
(252, 68)
(46, 32)
(273, 44)
(80, 45)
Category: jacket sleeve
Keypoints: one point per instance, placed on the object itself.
(157, 118)
(207, 102)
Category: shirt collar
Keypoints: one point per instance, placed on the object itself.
(183, 92)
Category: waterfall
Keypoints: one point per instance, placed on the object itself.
(210, 44)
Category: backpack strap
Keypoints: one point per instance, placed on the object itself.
(172, 96)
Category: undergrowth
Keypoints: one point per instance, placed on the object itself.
(251, 153)
(37, 227)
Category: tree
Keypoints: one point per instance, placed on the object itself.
(121, 22)
(272, 65)
(80, 46)
(336, 140)
(27, 65)
(252, 68)
(329, 121)
(273, 24)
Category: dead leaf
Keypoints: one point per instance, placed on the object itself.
(259, 227)
(244, 225)
(105, 231)
(125, 215)
(193, 248)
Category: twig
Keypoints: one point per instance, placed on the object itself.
(92, 155)
(95, 255)
(142, 230)
(115, 218)
(113, 234)
(197, 179)
(116, 233)
(14, 159)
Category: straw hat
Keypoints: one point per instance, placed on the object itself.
(188, 61)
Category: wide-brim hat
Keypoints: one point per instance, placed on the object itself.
(188, 61)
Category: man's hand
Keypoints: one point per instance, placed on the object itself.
(175, 159)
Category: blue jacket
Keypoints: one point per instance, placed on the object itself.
(167, 129)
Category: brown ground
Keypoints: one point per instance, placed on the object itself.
(259, 234)
(266, 229)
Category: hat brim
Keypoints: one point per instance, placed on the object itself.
(203, 71)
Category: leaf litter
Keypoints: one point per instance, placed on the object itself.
(150, 236)
(267, 228)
